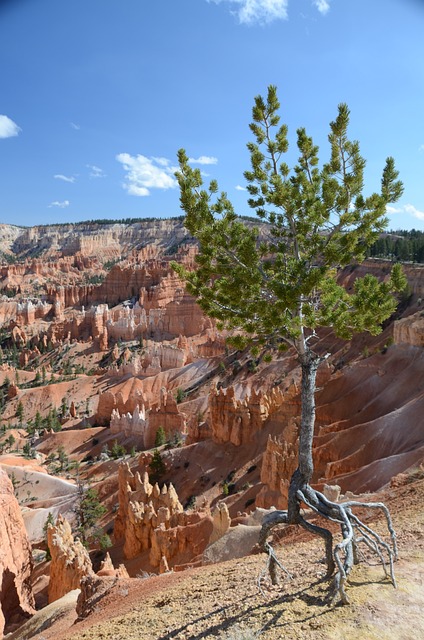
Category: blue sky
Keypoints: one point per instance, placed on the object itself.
(97, 96)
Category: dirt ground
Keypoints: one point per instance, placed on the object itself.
(224, 601)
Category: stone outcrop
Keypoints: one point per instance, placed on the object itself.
(166, 415)
(130, 424)
(143, 424)
(107, 569)
(16, 598)
(236, 421)
(278, 464)
(142, 507)
(410, 330)
(70, 560)
(94, 587)
(221, 522)
(152, 519)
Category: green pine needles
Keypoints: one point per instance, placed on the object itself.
(284, 285)
(277, 283)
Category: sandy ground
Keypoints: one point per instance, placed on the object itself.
(223, 600)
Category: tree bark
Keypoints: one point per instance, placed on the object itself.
(303, 474)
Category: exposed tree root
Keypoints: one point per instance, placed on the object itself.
(340, 558)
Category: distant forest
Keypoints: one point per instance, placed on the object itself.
(404, 246)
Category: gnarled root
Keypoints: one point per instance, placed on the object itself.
(345, 553)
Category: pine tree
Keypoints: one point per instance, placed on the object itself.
(157, 465)
(89, 510)
(20, 411)
(49, 522)
(160, 437)
(278, 290)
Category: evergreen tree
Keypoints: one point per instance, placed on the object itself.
(160, 437)
(117, 450)
(20, 411)
(157, 465)
(37, 420)
(89, 510)
(280, 289)
(63, 458)
(49, 522)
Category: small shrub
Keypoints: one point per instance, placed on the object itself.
(157, 465)
(252, 366)
(160, 437)
(118, 450)
(180, 395)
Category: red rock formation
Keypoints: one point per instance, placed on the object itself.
(16, 597)
(70, 560)
(221, 522)
(278, 464)
(167, 415)
(141, 423)
(410, 330)
(152, 519)
(236, 420)
(107, 569)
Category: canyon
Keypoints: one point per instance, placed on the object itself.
(113, 379)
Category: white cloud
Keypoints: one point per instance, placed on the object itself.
(95, 172)
(406, 208)
(145, 173)
(240, 188)
(262, 11)
(75, 126)
(61, 205)
(203, 160)
(390, 209)
(409, 208)
(60, 176)
(323, 6)
(421, 147)
(8, 128)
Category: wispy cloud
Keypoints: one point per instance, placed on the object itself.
(203, 160)
(240, 188)
(75, 126)
(421, 147)
(257, 11)
(60, 176)
(8, 128)
(406, 208)
(144, 174)
(323, 6)
(61, 205)
(95, 172)
(413, 211)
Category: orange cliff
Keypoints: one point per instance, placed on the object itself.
(16, 596)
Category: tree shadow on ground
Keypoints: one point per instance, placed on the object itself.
(273, 607)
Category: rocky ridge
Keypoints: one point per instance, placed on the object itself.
(102, 349)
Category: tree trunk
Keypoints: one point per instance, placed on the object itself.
(303, 474)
